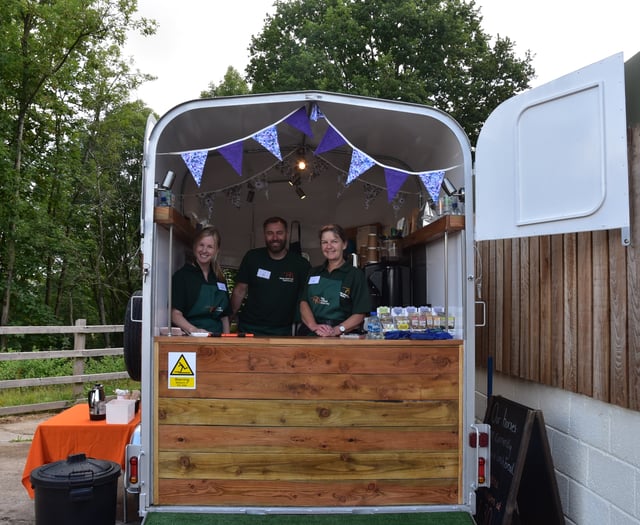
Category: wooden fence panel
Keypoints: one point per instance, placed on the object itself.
(567, 307)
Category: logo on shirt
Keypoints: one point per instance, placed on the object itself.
(287, 277)
(345, 293)
(319, 300)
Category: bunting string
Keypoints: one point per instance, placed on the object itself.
(268, 138)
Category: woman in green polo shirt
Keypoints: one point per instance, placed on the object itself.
(335, 298)
(199, 295)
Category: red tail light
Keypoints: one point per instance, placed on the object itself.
(481, 475)
(133, 470)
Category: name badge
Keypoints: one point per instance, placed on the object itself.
(264, 274)
(222, 286)
(314, 279)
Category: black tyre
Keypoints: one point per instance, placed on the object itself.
(132, 342)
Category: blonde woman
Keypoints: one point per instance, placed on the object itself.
(200, 299)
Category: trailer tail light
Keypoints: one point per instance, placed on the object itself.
(481, 476)
(133, 470)
(480, 441)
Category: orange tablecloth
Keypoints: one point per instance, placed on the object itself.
(72, 432)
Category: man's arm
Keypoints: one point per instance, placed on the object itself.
(238, 295)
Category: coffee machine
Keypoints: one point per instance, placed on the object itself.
(389, 283)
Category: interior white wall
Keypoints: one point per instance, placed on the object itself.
(595, 448)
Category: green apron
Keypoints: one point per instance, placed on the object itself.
(208, 308)
(324, 300)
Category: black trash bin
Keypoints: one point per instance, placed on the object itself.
(76, 491)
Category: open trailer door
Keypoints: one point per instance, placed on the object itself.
(554, 159)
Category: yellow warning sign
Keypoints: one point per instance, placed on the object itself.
(182, 370)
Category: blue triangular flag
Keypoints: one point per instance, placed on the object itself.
(268, 138)
(331, 140)
(395, 179)
(233, 155)
(432, 181)
(360, 162)
(300, 121)
(195, 161)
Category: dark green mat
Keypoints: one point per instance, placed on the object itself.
(427, 518)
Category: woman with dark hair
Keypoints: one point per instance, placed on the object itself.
(200, 299)
(335, 298)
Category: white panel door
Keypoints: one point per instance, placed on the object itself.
(554, 159)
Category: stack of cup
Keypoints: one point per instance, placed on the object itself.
(372, 248)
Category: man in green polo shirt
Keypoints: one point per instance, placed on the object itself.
(270, 278)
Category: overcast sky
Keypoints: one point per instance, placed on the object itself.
(198, 39)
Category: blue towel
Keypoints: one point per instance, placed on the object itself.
(427, 334)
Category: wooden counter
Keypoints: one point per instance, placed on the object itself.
(309, 422)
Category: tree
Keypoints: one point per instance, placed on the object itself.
(232, 84)
(425, 51)
(61, 73)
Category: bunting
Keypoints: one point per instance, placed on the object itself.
(268, 139)
(299, 119)
(233, 155)
(195, 162)
(432, 181)
(395, 179)
(360, 162)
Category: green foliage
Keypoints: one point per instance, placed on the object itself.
(424, 51)
(70, 163)
(54, 368)
(232, 84)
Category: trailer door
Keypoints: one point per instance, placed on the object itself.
(554, 159)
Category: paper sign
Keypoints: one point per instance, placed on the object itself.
(182, 370)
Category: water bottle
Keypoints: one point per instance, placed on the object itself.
(373, 326)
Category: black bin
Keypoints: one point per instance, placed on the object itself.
(76, 491)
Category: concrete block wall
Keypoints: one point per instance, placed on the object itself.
(595, 448)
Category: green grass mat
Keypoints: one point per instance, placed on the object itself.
(427, 518)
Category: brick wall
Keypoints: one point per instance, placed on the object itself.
(595, 448)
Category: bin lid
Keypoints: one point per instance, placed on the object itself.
(75, 471)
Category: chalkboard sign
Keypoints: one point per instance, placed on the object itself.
(523, 487)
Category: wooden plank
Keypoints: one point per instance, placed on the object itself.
(307, 467)
(434, 230)
(59, 354)
(619, 391)
(585, 314)
(303, 439)
(545, 316)
(283, 413)
(601, 320)
(308, 494)
(570, 316)
(62, 380)
(557, 311)
(523, 346)
(298, 356)
(52, 330)
(498, 323)
(507, 306)
(490, 291)
(383, 387)
(515, 308)
(533, 311)
(633, 271)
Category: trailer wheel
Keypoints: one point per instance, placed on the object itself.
(132, 342)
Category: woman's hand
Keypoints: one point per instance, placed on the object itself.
(324, 330)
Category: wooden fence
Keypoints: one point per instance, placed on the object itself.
(78, 354)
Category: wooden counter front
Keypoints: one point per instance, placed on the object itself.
(309, 422)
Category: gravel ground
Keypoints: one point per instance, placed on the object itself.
(16, 508)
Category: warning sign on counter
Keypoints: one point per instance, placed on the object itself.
(182, 370)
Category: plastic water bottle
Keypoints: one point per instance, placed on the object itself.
(373, 326)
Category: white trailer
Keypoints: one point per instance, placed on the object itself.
(548, 161)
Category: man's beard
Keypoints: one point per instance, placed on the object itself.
(276, 246)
